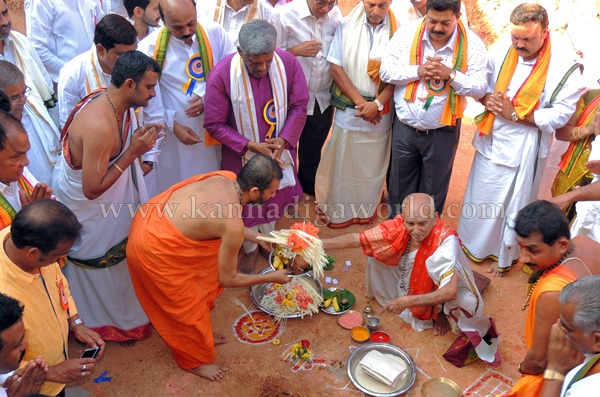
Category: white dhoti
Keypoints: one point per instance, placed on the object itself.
(102, 288)
(386, 283)
(351, 175)
(495, 194)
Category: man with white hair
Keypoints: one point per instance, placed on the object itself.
(577, 332)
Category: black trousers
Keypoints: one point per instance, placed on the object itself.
(311, 142)
(421, 162)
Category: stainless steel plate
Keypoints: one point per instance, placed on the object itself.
(330, 309)
(440, 387)
(384, 348)
(258, 291)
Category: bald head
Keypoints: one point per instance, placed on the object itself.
(419, 214)
(418, 205)
(179, 16)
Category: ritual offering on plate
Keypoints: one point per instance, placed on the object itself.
(298, 249)
(350, 319)
(381, 369)
(360, 334)
(337, 300)
(379, 336)
(298, 297)
(386, 369)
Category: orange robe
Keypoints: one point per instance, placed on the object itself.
(175, 279)
(554, 281)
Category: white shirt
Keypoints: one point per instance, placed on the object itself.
(278, 4)
(11, 191)
(10, 57)
(297, 25)
(61, 30)
(115, 7)
(345, 118)
(396, 69)
(73, 88)
(585, 387)
(232, 19)
(506, 141)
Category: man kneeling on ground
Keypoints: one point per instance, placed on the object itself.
(416, 267)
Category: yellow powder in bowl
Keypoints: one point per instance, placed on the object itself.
(360, 333)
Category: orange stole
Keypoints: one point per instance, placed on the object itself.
(527, 98)
(387, 243)
(7, 212)
(175, 279)
(553, 281)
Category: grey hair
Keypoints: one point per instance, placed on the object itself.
(583, 294)
(257, 37)
(10, 74)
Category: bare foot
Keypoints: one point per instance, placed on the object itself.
(128, 343)
(209, 371)
(495, 270)
(441, 325)
(219, 339)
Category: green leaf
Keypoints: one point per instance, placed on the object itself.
(345, 294)
(330, 294)
(329, 266)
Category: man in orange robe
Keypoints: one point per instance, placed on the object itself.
(182, 251)
(544, 237)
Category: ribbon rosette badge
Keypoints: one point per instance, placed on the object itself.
(270, 118)
(195, 72)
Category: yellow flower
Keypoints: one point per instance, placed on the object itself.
(290, 295)
(276, 341)
(277, 286)
(307, 354)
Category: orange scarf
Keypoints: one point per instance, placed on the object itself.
(387, 243)
(7, 212)
(527, 98)
(453, 108)
(570, 157)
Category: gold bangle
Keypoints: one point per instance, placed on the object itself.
(118, 168)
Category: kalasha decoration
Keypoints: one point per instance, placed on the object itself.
(301, 240)
(301, 356)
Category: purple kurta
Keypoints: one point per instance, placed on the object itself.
(219, 120)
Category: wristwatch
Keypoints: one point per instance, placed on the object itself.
(551, 374)
(75, 323)
(379, 105)
(514, 116)
(452, 76)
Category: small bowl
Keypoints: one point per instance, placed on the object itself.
(373, 323)
(350, 314)
(380, 336)
(440, 387)
(360, 334)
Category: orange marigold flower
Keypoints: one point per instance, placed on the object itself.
(306, 227)
(296, 243)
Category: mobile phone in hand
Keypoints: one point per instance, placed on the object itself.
(90, 353)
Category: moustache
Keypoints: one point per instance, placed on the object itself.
(187, 36)
(436, 32)
(521, 49)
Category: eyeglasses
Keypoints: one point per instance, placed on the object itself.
(328, 4)
(24, 94)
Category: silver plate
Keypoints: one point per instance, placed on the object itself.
(330, 309)
(258, 291)
(384, 348)
(291, 274)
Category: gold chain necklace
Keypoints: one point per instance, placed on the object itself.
(560, 261)
(404, 266)
(116, 117)
(237, 190)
